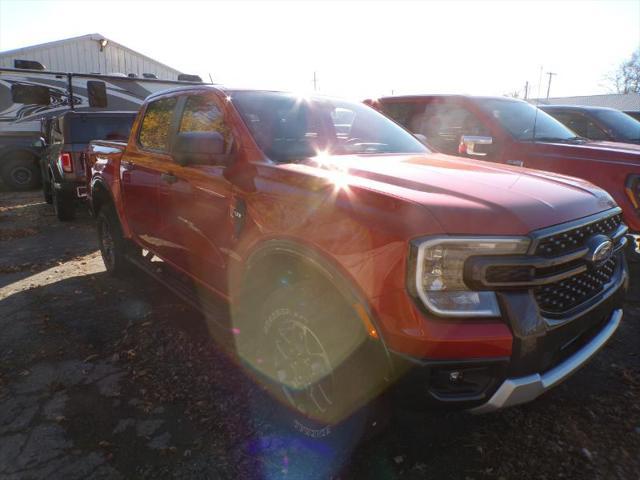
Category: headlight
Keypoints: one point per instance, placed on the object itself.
(439, 273)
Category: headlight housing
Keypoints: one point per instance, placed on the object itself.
(438, 274)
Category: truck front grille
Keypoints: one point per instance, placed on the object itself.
(560, 297)
(571, 240)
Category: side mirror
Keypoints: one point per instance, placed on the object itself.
(421, 138)
(200, 148)
(30, 94)
(475, 145)
(97, 93)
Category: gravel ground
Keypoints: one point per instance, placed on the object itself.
(106, 378)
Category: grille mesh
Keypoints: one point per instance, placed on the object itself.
(567, 242)
(562, 296)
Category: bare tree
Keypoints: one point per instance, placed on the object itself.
(626, 78)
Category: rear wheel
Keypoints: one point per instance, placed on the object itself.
(114, 248)
(63, 204)
(20, 171)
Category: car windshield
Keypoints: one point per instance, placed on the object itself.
(289, 128)
(520, 119)
(623, 126)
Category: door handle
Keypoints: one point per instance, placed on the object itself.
(517, 163)
(127, 166)
(169, 178)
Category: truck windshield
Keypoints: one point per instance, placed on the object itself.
(518, 118)
(87, 128)
(288, 128)
(624, 126)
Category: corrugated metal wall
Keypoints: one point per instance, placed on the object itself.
(83, 55)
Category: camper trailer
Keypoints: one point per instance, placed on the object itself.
(30, 97)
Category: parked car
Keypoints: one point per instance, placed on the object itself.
(511, 131)
(62, 164)
(355, 260)
(597, 123)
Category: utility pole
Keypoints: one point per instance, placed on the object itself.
(551, 74)
(315, 82)
(526, 89)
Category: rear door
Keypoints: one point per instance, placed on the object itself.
(196, 200)
(145, 160)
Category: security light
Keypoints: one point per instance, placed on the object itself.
(103, 43)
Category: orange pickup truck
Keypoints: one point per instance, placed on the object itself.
(356, 261)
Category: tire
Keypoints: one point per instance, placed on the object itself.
(20, 171)
(47, 191)
(114, 248)
(63, 204)
(632, 253)
(322, 389)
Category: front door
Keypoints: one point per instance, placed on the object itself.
(197, 201)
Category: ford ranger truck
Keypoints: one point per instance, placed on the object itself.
(507, 130)
(354, 259)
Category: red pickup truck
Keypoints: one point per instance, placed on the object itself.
(356, 260)
(507, 130)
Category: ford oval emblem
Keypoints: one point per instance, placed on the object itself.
(600, 250)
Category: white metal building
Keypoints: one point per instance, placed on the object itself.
(93, 53)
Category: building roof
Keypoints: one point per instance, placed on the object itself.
(628, 102)
(90, 36)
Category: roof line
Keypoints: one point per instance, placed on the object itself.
(92, 36)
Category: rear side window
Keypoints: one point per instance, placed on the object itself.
(156, 124)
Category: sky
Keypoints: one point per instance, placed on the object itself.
(357, 49)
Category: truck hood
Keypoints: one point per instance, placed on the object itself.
(604, 152)
(468, 196)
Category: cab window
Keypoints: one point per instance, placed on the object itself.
(444, 125)
(156, 124)
(201, 114)
(582, 125)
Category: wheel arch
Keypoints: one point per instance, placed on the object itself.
(277, 255)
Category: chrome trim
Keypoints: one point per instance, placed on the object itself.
(515, 391)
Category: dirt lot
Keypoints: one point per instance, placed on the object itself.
(119, 379)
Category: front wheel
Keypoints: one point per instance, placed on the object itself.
(309, 350)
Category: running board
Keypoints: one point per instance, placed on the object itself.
(187, 291)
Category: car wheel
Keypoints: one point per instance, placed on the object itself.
(114, 248)
(20, 171)
(63, 204)
(306, 346)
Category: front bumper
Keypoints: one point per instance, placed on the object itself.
(515, 391)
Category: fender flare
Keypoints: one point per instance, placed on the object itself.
(324, 266)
